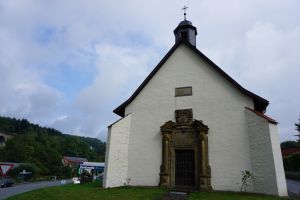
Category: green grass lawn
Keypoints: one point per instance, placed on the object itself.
(230, 196)
(90, 191)
(93, 191)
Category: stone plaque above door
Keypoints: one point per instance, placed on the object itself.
(184, 116)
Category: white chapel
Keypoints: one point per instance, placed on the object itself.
(189, 124)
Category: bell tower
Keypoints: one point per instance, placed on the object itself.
(185, 30)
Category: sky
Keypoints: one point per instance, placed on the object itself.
(67, 64)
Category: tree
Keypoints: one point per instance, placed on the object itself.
(289, 144)
(298, 129)
(45, 147)
(31, 170)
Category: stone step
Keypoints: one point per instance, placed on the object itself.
(176, 195)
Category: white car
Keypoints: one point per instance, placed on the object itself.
(76, 180)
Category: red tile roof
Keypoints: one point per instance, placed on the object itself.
(75, 159)
(269, 119)
(290, 151)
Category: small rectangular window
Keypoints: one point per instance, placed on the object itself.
(183, 91)
(184, 35)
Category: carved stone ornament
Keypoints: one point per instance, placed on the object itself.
(184, 116)
(185, 135)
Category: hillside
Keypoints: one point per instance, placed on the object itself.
(45, 146)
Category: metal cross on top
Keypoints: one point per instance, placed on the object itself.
(184, 10)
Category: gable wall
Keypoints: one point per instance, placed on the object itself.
(215, 101)
(266, 156)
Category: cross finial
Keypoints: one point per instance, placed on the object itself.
(184, 10)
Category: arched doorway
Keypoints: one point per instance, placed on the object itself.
(185, 153)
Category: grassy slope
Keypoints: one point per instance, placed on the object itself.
(90, 191)
(93, 191)
(230, 196)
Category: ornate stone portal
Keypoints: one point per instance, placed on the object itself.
(185, 153)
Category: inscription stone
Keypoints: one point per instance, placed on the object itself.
(184, 116)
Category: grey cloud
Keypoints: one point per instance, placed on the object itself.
(254, 41)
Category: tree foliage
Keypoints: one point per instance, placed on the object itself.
(289, 144)
(297, 125)
(292, 162)
(45, 147)
(31, 168)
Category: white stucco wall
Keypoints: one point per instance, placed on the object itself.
(116, 158)
(278, 163)
(215, 101)
(267, 165)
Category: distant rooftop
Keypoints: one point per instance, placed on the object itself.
(75, 159)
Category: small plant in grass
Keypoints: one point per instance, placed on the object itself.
(127, 181)
(247, 178)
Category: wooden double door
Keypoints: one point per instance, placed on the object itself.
(184, 167)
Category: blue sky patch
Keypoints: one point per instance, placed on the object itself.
(44, 34)
(70, 80)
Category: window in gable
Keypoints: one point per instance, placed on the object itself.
(183, 91)
(184, 35)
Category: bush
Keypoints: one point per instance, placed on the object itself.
(293, 175)
(31, 169)
(65, 172)
(247, 178)
(292, 163)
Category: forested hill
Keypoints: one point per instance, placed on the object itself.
(45, 146)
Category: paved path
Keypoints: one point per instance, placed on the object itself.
(293, 186)
(17, 189)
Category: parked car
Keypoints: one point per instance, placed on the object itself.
(6, 182)
(76, 180)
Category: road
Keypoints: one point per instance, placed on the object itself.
(17, 189)
(293, 186)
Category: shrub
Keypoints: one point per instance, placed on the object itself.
(31, 170)
(247, 178)
(65, 172)
(292, 163)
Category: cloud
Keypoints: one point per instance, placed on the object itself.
(272, 68)
(120, 69)
(272, 53)
(23, 95)
(67, 64)
(265, 60)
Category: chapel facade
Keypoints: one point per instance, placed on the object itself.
(189, 124)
